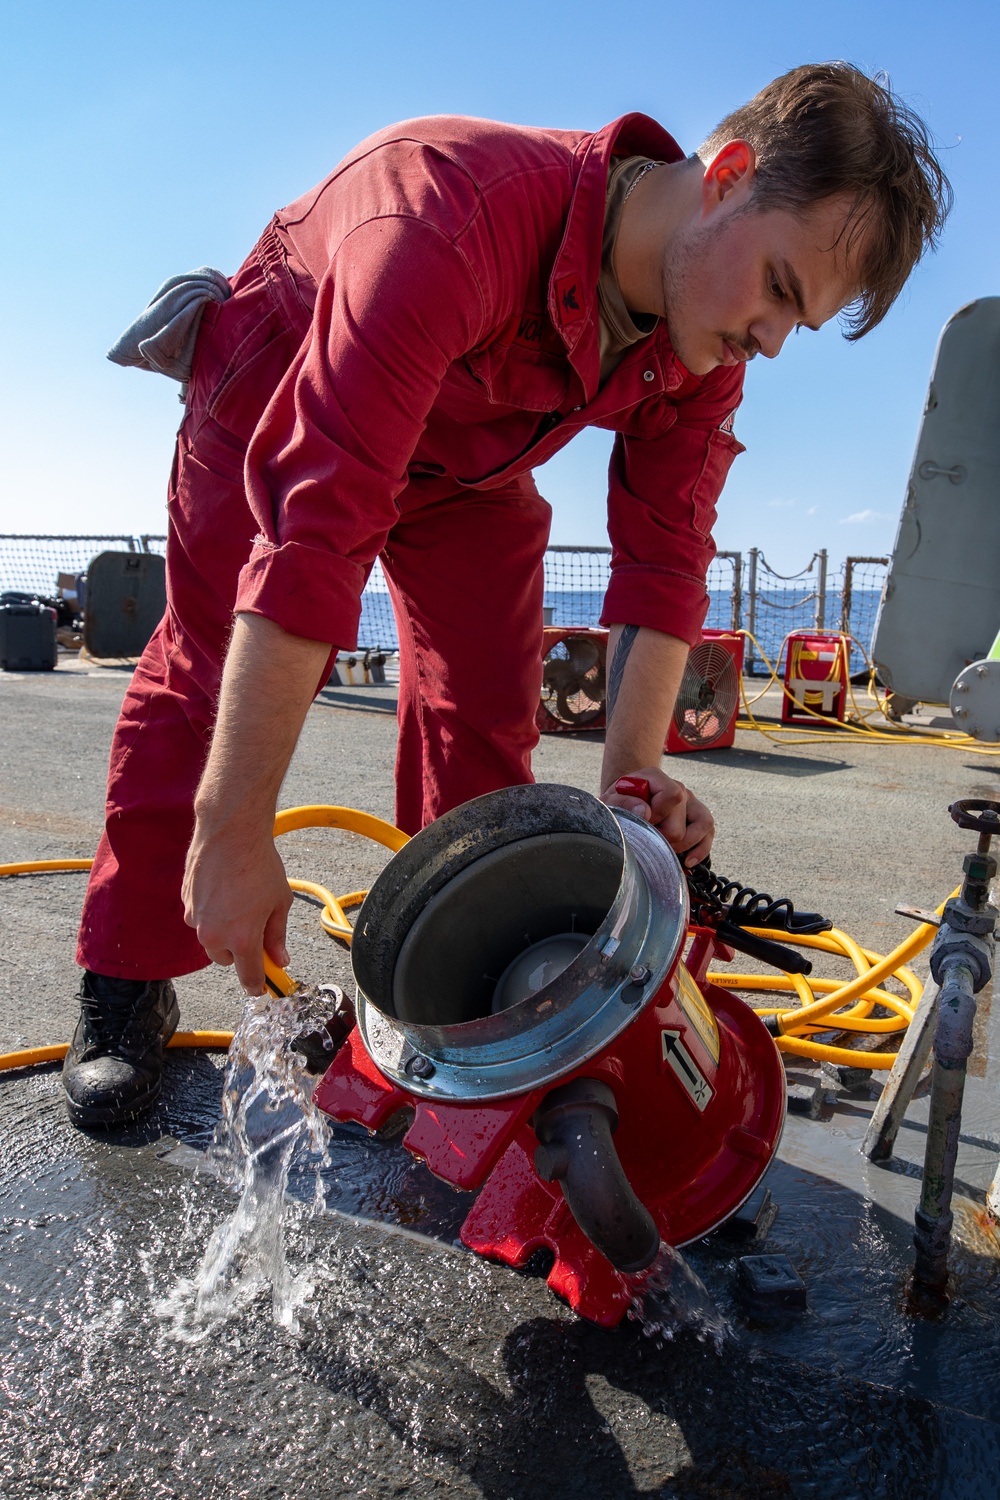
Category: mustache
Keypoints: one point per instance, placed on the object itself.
(747, 344)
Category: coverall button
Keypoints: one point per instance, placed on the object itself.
(648, 375)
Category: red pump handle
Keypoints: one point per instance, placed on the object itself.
(633, 786)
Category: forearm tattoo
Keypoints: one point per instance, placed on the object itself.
(625, 643)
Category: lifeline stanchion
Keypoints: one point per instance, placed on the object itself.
(962, 963)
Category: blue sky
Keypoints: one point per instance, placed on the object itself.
(144, 139)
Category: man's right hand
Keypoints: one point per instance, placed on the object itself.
(236, 897)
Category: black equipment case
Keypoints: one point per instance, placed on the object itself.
(27, 637)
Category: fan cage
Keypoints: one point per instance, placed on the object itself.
(574, 680)
(709, 697)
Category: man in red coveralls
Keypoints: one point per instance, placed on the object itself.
(402, 347)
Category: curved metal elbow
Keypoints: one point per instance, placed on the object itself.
(574, 1125)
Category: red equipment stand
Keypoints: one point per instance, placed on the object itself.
(815, 677)
(701, 1097)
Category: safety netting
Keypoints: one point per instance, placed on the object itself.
(33, 564)
(743, 592)
(777, 604)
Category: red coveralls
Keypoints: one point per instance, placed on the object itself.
(402, 347)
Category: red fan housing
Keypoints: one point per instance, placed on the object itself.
(708, 702)
(574, 679)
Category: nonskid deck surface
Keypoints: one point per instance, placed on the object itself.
(416, 1367)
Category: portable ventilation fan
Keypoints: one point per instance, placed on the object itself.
(574, 680)
(709, 698)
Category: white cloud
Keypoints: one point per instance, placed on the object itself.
(865, 517)
(781, 504)
(813, 510)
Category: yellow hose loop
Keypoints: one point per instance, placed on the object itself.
(350, 819)
(858, 987)
(831, 1005)
(30, 1057)
(873, 976)
(846, 1056)
(333, 915)
(44, 866)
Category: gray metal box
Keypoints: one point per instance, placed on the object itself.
(27, 638)
(126, 597)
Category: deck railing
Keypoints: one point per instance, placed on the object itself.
(744, 593)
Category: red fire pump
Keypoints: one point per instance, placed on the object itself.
(521, 989)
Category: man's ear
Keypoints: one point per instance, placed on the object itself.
(729, 175)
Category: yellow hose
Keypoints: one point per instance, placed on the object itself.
(31, 1056)
(833, 1005)
(333, 914)
(824, 1004)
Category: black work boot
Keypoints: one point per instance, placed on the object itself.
(113, 1066)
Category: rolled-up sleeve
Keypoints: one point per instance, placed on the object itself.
(662, 494)
(328, 460)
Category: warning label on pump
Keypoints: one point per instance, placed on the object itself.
(694, 1005)
(687, 1070)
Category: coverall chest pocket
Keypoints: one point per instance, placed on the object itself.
(523, 379)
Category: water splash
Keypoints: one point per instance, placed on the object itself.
(671, 1298)
(268, 1124)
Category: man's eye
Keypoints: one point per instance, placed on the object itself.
(776, 289)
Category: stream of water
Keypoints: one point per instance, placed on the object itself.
(268, 1123)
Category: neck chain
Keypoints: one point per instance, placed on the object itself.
(638, 178)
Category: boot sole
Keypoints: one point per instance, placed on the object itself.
(111, 1114)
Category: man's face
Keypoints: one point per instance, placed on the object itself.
(738, 282)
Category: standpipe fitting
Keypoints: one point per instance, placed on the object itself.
(574, 1125)
(956, 1015)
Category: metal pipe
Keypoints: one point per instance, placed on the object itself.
(952, 1046)
(574, 1125)
(752, 606)
(735, 596)
(821, 591)
(845, 597)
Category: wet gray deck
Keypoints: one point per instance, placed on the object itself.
(420, 1369)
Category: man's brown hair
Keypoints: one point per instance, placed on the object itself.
(827, 130)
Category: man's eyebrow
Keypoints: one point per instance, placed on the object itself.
(794, 285)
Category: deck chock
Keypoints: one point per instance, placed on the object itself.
(751, 1223)
(769, 1286)
(805, 1095)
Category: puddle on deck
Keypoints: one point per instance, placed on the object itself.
(410, 1366)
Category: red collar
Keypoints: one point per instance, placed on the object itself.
(572, 300)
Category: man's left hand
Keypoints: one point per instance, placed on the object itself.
(685, 823)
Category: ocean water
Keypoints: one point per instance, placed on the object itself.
(778, 612)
